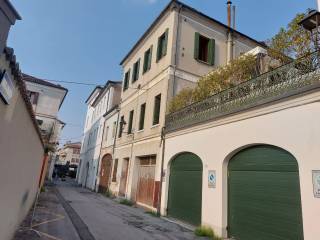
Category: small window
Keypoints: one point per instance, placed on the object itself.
(115, 169)
(33, 97)
(114, 129)
(126, 80)
(142, 116)
(147, 60)
(162, 45)
(135, 72)
(106, 134)
(156, 110)
(204, 49)
(121, 126)
(130, 122)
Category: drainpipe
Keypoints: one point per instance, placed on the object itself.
(176, 54)
(229, 35)
(163, 139)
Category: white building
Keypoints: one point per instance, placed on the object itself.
(70, 152)
(46, 99)
(100, 101)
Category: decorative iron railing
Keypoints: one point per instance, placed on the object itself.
(293, 78)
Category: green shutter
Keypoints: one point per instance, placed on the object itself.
(138, 69)
(159, 49)
(145, 62)
(211, 51)
(196, 45)
(130, 122)
(150, 58)
(142, 116)
(164, 49)
(156, 110)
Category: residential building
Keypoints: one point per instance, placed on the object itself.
(245, 161)
(179, 47)
(46, 99)
(69, 153)
(21, 146)
(107, 162)
(100, 101)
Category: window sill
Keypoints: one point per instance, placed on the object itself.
(203, 62)
(156, 125)
(140, 131)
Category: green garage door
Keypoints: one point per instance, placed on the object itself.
(185, 189)
(264, 195)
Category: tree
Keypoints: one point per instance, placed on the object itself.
(291, 42)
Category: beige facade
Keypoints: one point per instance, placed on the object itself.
(21, 150)
(290, 125)
(176, 70)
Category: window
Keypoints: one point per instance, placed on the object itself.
(135, 72)
(130, 122)
(115, 169)
(126, 80)
(114, 129)
(106, 134)
(142, 115)
(162, 45)
(156, 110)
(204, 49)
(33, 97)
(121, 126)
(147, 60)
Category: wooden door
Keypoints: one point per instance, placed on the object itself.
(105, 173)
(124, 176)
(145, 190)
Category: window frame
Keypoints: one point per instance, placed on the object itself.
(126, 80)
(147, 61)
(135, 71)
(142, 116)
(210, 49)
(156, 110)
(162, 45)
(130, 122)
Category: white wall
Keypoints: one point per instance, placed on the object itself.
(291, 125)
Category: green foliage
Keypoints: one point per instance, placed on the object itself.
(126, 202)
(204, 231)
(153, 213)
(237, 71)
(109, 194)
(291, 42)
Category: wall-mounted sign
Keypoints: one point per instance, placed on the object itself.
(6, 88)
(212, 179)
(316, 183)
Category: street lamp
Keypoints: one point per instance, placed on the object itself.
(311, 22)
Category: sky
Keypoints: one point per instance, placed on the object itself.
(85, 40)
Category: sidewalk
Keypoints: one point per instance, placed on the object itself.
(51, 222)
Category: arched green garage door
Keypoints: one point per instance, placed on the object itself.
(264, 195)
(185, 189)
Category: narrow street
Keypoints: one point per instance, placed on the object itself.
(68, 212)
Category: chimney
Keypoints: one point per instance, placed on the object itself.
(234, 17)
(230, 35)
(229, 3)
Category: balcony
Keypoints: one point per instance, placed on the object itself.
(294, 78)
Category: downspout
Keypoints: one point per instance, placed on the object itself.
(229, 35)
(173, 94)
(176, 54)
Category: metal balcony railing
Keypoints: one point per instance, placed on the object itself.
(299, 76)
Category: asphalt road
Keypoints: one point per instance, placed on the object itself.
(105, 219)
